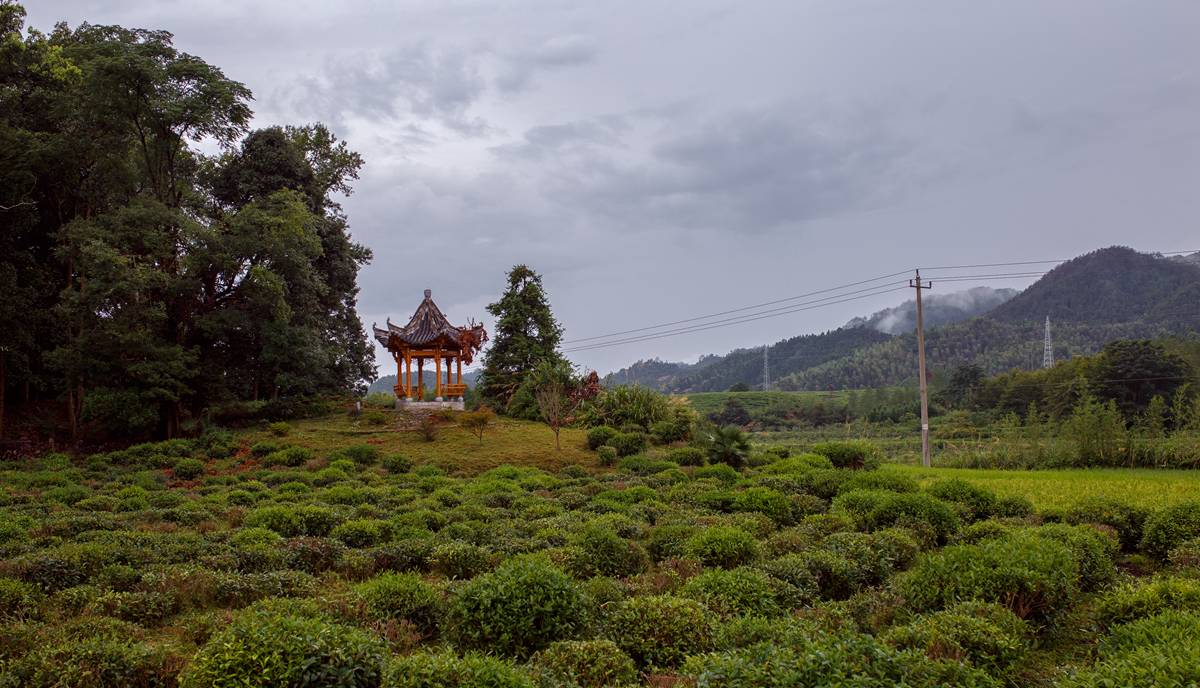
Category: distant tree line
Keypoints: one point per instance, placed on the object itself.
(144, 280)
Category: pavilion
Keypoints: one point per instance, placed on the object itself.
(429, 335)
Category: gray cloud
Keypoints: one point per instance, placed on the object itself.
(658, 161)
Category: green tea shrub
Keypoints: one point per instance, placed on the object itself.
(447, 670)
(607, 454)
(855, 454)
(798, 465)
(1013, 506)
(1126, 519)
(735, 592)
(877, 509)
(600, 436)
(244, 537)
(1035, 577)
(985, 635)
(280, 429)
(261, 449)
(316, 520)
(188, 469)
(288, 456)
(774, 504)
(240, 589)
(584, 664)
(66, 494)
(795, 570)
(1141, 599)
(828, 660)
(18, 600)
(313, 554)
(660, 631)
(824, 482)
(361, 454)
(460, 560)
(982, 530)
(628, 443)
(265, 649)
(974, 503)
(92, 662)
(403, 596)
(281, 519)
(361, 532)
(1166, 528)
(891, 481)
(397, 463)
(1186, 555)
(608, 554)
(722, 546)
(143, 608)
(1159, 650)
(1092, 549)
(668, 541)
(687, 456)
(516, 610)
(721, 472)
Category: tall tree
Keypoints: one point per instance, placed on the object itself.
(525, 334)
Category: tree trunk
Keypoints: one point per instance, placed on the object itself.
(557, 446)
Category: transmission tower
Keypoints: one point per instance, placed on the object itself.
(1048, 349)
(766, 370)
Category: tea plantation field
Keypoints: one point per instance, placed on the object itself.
(332, 553)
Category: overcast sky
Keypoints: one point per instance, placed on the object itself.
(660, 160)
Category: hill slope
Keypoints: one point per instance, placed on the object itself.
(1087, 304)
(940, 309)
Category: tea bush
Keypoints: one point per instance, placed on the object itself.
(403, 596)
(855, 454)
(974, 503)
(1166, 528)
(1137, 600)
(660, 631)
(584, 664)
(735, 592)
(1126, 519)
(722, 546)
(188, 469)
(267, 649)
(1035, 577)
(516, 610)
(446, 670)
(600, 436)
(985, 635)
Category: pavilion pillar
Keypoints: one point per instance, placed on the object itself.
(437, 362)
(407, 376)
(459, 380)
(420, 378)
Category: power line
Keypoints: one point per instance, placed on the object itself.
(727, 323)
(736, 310)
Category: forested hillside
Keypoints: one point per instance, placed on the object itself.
(718, 373)
(939, 309)
(1160, 300)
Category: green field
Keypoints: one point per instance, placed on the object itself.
(1149, 488)
(709, 402)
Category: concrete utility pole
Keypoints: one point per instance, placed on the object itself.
(919, 286)
(766, 371)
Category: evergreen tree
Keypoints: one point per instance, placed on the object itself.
(524, 335)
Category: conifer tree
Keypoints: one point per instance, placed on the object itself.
(525, 334)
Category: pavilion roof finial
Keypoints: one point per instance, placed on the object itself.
(428, 293)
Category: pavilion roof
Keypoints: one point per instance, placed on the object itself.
(426, 326)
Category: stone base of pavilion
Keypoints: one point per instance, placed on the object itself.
(453, 405)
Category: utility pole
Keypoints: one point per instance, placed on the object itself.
(766, 371)
(919, 286)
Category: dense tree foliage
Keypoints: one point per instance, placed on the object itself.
(524, 335)
(144, 280)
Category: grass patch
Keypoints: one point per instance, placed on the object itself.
(1147, 487)
(455, 449)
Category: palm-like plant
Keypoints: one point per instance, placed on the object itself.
(728, 445)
